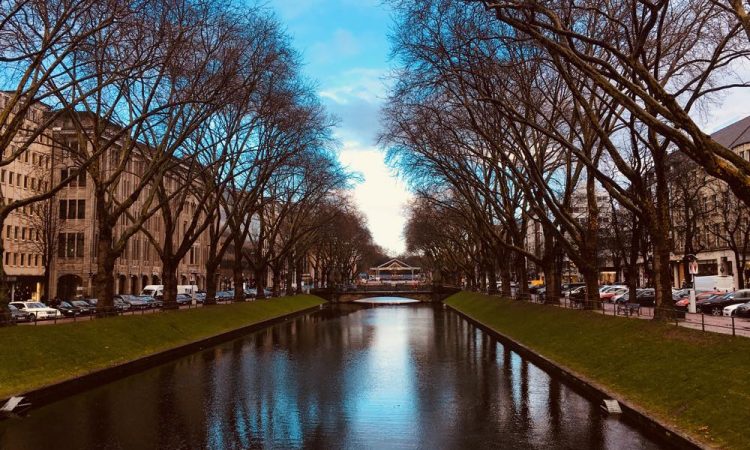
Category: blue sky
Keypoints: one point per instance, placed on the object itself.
(345, 48)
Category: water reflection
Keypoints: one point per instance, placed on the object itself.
(386, 301)
(345, 377)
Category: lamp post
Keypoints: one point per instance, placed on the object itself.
(193, 277)
(692, 270)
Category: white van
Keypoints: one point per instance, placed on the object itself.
(157, 290)
(714, 283)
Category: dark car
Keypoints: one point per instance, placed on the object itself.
(224, 295)
(643, 297)
(567, 287)
(16, 315)
(133, 301)
(578, 294)
(743, 310)
(715, 305)
(68, 309)
(152, 301)
(84, 307)
(646, 297)
(184, 299)
(534, 289)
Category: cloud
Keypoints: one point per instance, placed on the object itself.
(340, 45)
(356, 99)
(381, 197)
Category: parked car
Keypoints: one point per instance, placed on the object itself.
(743, 310)
(224, 295)
(68, 309)
(16, 315)
(700, 297)
(611, 292)
(133, 301)
(643, 297)
(577, 294)
(731, 310)
(38, 311)
(567, 287)
(715, 305)
(84, 307)
(184, 299)
(153, 302)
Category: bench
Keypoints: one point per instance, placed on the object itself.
(628, 309)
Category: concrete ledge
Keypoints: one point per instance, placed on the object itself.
(56, 391)
(661, 432)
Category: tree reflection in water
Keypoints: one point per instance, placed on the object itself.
(347, 376)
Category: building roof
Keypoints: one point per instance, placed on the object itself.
(394, 264)
(734, 135)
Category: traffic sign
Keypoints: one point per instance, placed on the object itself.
(693, 267)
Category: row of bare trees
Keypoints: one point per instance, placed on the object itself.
(190, 114)
(513, 114)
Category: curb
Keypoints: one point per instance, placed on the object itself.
(661, 432)
(59, 390)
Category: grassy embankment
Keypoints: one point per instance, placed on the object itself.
(697, 382)
(35, 356)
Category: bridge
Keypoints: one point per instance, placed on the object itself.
(422, 293)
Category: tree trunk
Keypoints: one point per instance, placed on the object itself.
(505, 279)
(276, 280)
(4, 294)
(260, 283)
(104, 279)
(290, 273)
(239, 291)
(591, 278)
(169, 280)
(298, 271)
(523, 282)
(211, 269)
(492, 276)
(739, 264)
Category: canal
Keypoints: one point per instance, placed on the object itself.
(348, 376)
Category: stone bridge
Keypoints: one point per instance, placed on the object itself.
(420, 293)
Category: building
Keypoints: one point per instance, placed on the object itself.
(709, 216)
(395, 271)
(25, 176)
(74, 209)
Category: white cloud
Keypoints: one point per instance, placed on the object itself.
(381, 196)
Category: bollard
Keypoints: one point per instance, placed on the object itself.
(703, 323)
(733, 332)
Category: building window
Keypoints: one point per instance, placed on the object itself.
(23, 259)
(72, 209)
(79, 181)
(8, 231)
(70, 245)
(10, 178)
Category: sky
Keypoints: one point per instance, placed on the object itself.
(344, 45)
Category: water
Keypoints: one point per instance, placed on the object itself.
(410, 376)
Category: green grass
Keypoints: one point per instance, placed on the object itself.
(36, 356)
(697, 382)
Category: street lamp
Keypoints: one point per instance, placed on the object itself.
(193, 277)
(692, 270)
